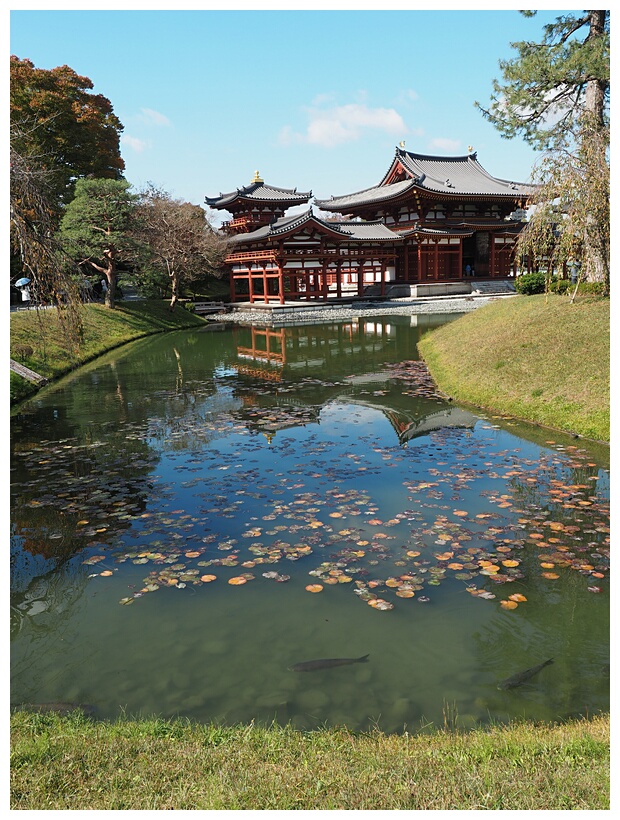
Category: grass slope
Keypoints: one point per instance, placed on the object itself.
(64, 763)
(532, 357)
(55, 353)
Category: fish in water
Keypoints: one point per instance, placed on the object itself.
(521, 677)
(326, 663)
(58, 707)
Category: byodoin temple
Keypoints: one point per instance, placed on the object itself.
(429, 221)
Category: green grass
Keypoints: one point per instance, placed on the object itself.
(537, 358)
(54, 352)
(64, 763)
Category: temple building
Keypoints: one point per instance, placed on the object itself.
(430, 220)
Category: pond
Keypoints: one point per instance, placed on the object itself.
(196, 514)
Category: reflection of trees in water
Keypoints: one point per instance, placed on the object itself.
(66, 495)
(43, 600)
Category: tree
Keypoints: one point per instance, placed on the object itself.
(96, 229)
(72, 132)
(183, 246)
(556, 96)
(34, 244)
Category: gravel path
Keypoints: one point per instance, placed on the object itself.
(331, 313)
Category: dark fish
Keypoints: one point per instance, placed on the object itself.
(326, 663)
(522, 677)
(58, 707)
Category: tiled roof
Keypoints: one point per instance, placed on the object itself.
(455, 176)
(260, 192)
(362, 231)
(379, 193)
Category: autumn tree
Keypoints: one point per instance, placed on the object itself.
(96, 229)
(182, 245)
(555, 95)
(35, 247)
(72, 132)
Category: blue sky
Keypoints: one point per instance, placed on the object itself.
(315, 99)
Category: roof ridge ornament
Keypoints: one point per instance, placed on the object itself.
(257, 178)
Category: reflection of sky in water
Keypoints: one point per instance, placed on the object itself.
(312, 478)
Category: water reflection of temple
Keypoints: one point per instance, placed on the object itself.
(269, 355)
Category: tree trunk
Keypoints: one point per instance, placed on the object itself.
(597, 261)
(174, 286)
(111, 277)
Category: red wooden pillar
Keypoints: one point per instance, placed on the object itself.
(324, 284)
(339, 278)
(360, 276)
(280, 284)
(251, 283)
(265, 291)
(383, 277)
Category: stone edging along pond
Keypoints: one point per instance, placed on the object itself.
(301, 314)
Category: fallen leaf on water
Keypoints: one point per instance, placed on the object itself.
(551, 575)
(106, 572)
(314, 588)
(207, 578)
(509, 604)
(517, 597)
(237, 580)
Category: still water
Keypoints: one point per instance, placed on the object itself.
(196, 513)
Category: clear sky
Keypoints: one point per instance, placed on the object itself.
(314, 98)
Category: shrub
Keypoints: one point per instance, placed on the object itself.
(592, 288)
(530, 283)
(561, 286)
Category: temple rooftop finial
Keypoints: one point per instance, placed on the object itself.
(257, 178)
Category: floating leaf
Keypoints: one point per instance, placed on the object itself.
(379, 603)
(208, 578)
(509, 604)
(314, 588)
(193, 554)
(237, 580)
(517, 597)
(510, 563)
(126, 601)
(106, 572)
(551, 575)
(595, 589)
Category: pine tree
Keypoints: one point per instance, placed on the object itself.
(555, 95)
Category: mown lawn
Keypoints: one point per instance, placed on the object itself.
(46, 342)
(67, 763)
(537, 358)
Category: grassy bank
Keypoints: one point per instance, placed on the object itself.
(64, 763)
(536, 358)
(40, 340)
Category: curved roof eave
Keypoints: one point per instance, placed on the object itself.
(266, 193)
(356, 231)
